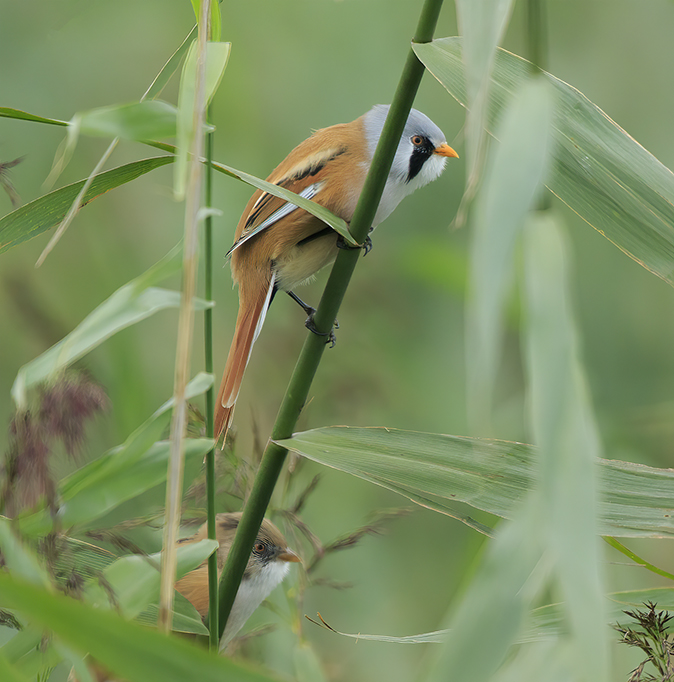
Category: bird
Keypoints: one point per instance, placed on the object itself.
(278, 246)
(267, 567)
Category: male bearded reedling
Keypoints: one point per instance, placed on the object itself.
(279, 246)
(267, 566)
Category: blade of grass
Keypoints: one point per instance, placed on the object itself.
(563, 425)
(193, 198)
(514, 175)
(214, 632)
(213, 58)
(45, 212)
(438, 471)
(131, 303)
(171, 66)
(134, 579)
(637, 559)
(482, 25)
(9, 673)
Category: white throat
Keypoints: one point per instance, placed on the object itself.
(398, 185)
(252, 592)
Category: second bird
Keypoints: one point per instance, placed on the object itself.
(279, 246)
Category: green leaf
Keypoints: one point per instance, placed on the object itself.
(216, 19)
(134, 579)
(437, 471)
(47, 211)
(599, 171)
(515, 171)
(217, 55)
(87, 495)
(185, 617)
(131, 303)
(637, 559)
(563, 424)
(147, 120)
(8, 112)
(128, 650)
(337, 224)
(171, 66)
(482, 25)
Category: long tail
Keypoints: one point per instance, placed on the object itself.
(252, 310)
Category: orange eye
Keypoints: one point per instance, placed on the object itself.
(417, 140)
(258, 548)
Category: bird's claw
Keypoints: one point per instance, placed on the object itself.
(330, 336)
(366, 245)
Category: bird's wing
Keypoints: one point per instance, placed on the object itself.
(300, 173)
(284, 208)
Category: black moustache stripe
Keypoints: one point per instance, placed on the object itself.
(419, 156)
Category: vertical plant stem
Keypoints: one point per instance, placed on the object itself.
(537, 38)
(310, 357)
(185, 332)
(210, 396)
(537, 47)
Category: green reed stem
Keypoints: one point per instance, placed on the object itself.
(310, 357)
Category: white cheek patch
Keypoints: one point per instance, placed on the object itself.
(251, 593)
(307, 193)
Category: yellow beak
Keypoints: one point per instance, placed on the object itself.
(445, 150)
(288, 555)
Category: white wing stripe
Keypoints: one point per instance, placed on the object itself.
(287, 208)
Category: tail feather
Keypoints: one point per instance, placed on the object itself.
(252, 311)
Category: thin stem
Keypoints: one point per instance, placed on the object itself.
(185, 333)
(210, 396)
(537, 37)
(310, 357)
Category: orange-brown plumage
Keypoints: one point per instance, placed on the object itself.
(274, 249)
(273, 258)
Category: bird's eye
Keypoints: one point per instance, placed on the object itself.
(417, 140)
(259, 548)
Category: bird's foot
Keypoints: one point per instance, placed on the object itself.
(366, 245)
(329, 336)
(309, 323)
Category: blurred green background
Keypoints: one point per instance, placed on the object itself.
(399, 360)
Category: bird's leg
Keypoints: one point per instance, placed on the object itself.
(309, 322)
(366, 245)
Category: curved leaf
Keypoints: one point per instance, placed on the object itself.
(47, 211)
(88, 494)
(134, 579)
(515, 171)
(436, 471)
(8, 112)
(146, 120)
(129, 650)
(599, 171)
(131, 303)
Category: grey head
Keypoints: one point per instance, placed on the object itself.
(414, 164)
